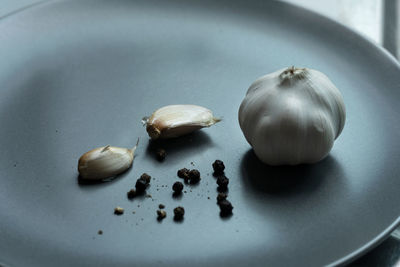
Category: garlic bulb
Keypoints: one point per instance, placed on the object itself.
(176, 120)
(292, 116)
(105, 162)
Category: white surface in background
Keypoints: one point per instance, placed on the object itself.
(363, 16)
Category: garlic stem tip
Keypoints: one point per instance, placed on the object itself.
(217, 119)
(145, 120)
(105, 148)
(134, 148)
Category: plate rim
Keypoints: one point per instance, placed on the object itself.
(313, 15)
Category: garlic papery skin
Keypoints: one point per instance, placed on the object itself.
(105, 162)
(292, 116)
(176, 120)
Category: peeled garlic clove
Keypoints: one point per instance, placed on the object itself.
(105, 162)
(176, 120)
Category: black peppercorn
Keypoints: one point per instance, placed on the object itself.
(131, 193)
(141, 185)
(183, 173)
(221, 196)
(179, 212)
(222, 182)
(194, 176)
(225, 207)
(218, 167)
(161, 206)
(146, 177)
(177, 187)
(161, 154)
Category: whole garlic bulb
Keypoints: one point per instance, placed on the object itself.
(292, 116)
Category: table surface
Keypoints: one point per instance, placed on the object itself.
(375, 19)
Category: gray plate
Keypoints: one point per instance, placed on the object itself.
(76, 75)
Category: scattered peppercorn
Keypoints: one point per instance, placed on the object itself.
(131, 193)
(221, 197)
(161, 214)
(222, 182)
(179, 212)
(161, 206)
(141, 185)
(118, 211)
(161, 154)
(183, 173)
(177, 187)
(225, 207)
(100, 232)
(146, 177)
(218, 167)
(194, 176)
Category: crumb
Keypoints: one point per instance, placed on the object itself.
(179, 212)
(118, 211)
(218, 167)
(100, 232)
(161, 154)
(185, 191)
(177, 187)
(208, 197)
(131, 193)
(133, 212)
(191, 163)
(149, 196)
(161, 206)
(161, 214)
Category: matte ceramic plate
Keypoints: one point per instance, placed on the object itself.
(75, 75)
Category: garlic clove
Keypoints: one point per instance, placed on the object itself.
(105, 162)
(177, 120)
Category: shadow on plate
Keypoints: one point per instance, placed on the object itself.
(286, 180)
(175, 147)
(82, 182)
